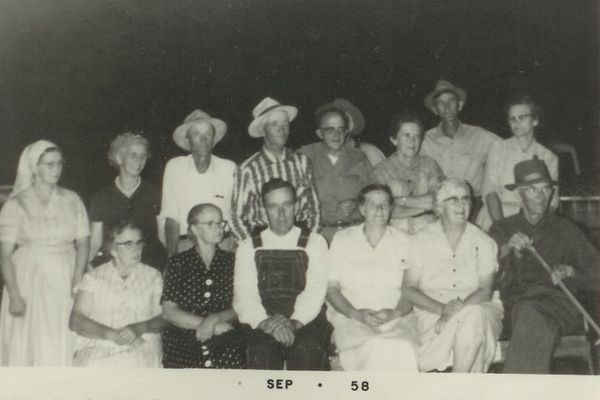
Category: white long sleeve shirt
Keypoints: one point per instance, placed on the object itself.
(246, 298)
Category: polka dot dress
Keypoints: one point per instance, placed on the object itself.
(201, 291)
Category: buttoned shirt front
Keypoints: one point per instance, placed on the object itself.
(369, 277)
(462, 156)
(246, 298)
(247, 207)
(184, 187)
(338, 182)
(445, 273)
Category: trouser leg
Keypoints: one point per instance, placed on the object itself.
(310, 349)
(533, 339)
(263, 351)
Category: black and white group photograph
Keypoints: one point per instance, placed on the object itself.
(333, 189)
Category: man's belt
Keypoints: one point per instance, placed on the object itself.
(342, 224)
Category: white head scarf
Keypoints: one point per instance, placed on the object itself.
(27, 164)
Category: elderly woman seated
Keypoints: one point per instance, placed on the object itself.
(117, 313)
(450, 283)
(197, 299)
(367, 268)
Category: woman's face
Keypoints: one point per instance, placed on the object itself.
(209, 226)
(408, 139)
(132, 159)
(376, 208)
(49, 168)
(127, 247)
(456, 207)
(521, 122)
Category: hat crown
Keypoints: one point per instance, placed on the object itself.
(196, 115)
(530, 170)
(443, 84)
(266, 104)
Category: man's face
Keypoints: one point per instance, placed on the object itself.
(456, 206)
(376, 208)
(535, 197)
(447, 106)
(521, 122)
(280, 210)
(333, 131)
(201, 137)
(277, 129)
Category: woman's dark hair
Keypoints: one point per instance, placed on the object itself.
(526, 99)
(321, 112)
(362, 195)
(274, 184)
(401, 118)
(116, 229)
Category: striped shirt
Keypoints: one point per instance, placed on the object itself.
(247, 211)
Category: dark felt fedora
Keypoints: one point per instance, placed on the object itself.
(529, 172)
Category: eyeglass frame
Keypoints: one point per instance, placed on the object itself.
(211, 224)
(131, 244)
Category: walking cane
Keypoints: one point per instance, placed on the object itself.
(569, 294)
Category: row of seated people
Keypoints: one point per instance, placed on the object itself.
(282, 274)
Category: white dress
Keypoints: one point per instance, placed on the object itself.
(117, 302)
(446, 274)
(371, 278)
(44, 262)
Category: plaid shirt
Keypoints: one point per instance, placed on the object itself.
(247, 211)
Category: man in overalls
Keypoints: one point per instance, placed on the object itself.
(280, 283)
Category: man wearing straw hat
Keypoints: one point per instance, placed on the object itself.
(459, 149)
(537, 312)
(271, 122)
(199, 177)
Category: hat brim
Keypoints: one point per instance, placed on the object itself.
(357, 119)
(255, 128)
(513, 186)
(460, 93)
(180, 134)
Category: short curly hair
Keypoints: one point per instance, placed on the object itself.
(121, 142)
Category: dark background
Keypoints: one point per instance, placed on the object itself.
(79, 72)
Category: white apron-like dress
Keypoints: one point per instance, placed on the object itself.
(44, 262)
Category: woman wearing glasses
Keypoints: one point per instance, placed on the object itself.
(117, 313)
(128, 197)
(340, 171)
(44, 238)
(450, 284)
(411, 177)
(197, 299)
(523, 117)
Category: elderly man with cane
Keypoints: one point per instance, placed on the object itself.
(544, 260)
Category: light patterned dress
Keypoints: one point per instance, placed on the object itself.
(446, 274)
(44, 262)
(418, 179)
(117, 302)
(371, 278)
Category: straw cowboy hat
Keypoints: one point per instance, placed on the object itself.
(443, 86)
(266, 107)
(180, 134)
(356, 117)
(530, 171)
